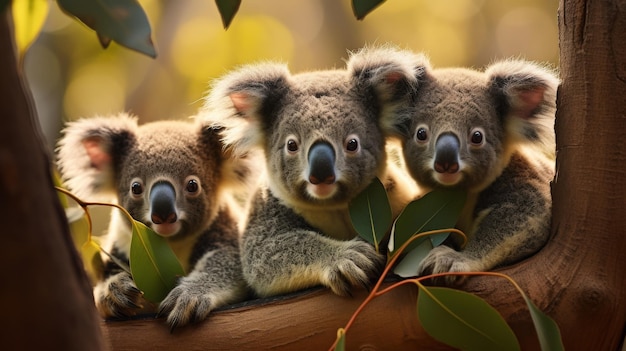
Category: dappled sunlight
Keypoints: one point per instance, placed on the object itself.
(97, 88)
(193, 48)
(519, 33)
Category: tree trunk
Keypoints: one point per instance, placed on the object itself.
(579, 278)
(45, 296)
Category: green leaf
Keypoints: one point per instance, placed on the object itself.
(341, 340)
(153, 265)
(79, 225)
(463, 320)
(438, 209)
(28, 19)
(228, 9)
(362, 8)
(122, 21)
(547, 330)
(90, 253)
(407, 267)
(56, 181)
(370, 213)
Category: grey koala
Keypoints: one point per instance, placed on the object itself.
(491, 133)
(323, 134)
(176, 178)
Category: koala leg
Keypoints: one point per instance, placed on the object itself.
(216, 280)
(117, 296)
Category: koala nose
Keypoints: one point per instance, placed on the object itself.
(447, 153)
(321, 163)
(163, 203)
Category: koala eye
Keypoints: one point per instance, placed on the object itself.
(477, 137)
(136, 187)
(421, 134)
(352, 143)
(192, 185)
(291, 145)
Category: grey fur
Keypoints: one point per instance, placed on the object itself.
(99, 158)
(512, 104)
(299, 234)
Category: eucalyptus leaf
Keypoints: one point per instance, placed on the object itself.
(438, 209)
(362, 8)
(463, 320)
(28, 19)
(341, 341)
(153, 264)
(547, 330)
(370, 213)
(92, 261)
(227, 9)
(79, 225)
(57, 182)
(407, 267)
(122, 21)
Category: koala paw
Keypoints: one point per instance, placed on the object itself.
(118, 296)
(190, 301)
(443, 259)
(357, 264)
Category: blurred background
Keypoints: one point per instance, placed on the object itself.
(72, 76)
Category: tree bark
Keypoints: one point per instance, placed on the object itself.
(45, 296)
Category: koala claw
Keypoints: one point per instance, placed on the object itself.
(186, 303)
(118, 297)
(443, 259)
(358, 264)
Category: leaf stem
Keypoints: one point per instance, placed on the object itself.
(374, 293)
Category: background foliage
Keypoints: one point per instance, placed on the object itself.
(72, 76)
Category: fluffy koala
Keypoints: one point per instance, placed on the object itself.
(491, 133)
(174, 177)
(323, 137)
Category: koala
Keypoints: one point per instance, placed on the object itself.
(177, 179)
(323, 136)
(490, 133)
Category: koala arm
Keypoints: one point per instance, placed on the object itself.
(282, 253)
(512, 221)
(216, 279)
(116, 294)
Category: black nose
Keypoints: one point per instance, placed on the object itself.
(447, 153)
(321, 163)
(163, 203)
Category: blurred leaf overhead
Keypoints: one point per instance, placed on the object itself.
(72, 76)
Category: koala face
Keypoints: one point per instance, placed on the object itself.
(325, 144)
(166, 174)
(456, 136)
(466, 124)
(167, 179)
(323, 132)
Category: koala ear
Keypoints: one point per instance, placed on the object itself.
(238, 103)
(394, 75)
(89, 150)
(525, 96)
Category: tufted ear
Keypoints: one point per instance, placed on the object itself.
(238, 104)
(525, 97)
(393, 74)
(89, 151)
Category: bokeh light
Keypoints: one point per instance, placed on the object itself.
(72, 76)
